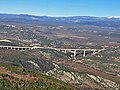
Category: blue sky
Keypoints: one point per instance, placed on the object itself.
(61, 7)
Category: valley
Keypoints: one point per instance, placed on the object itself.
(80, 52)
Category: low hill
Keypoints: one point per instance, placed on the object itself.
(37, 59)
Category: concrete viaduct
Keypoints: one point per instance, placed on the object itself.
(74, 51)
(15, 48)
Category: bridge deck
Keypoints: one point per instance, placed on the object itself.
(58, 49)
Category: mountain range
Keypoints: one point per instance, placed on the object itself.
(111, 21)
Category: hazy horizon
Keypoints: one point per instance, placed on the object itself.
(56, 16)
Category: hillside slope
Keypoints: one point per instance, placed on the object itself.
(16, 78)
(39, 60)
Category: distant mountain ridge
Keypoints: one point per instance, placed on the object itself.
(73, 20)
(114, 17)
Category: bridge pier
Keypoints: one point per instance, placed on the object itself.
(65, 51)
(75, 53)
(94, 52)
(84, 53)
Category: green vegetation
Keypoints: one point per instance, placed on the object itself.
(35, 81)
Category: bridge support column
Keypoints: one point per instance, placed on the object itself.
(7, 47)
(65, 51)
(74, 53)
(84, 53)
(93, 52)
